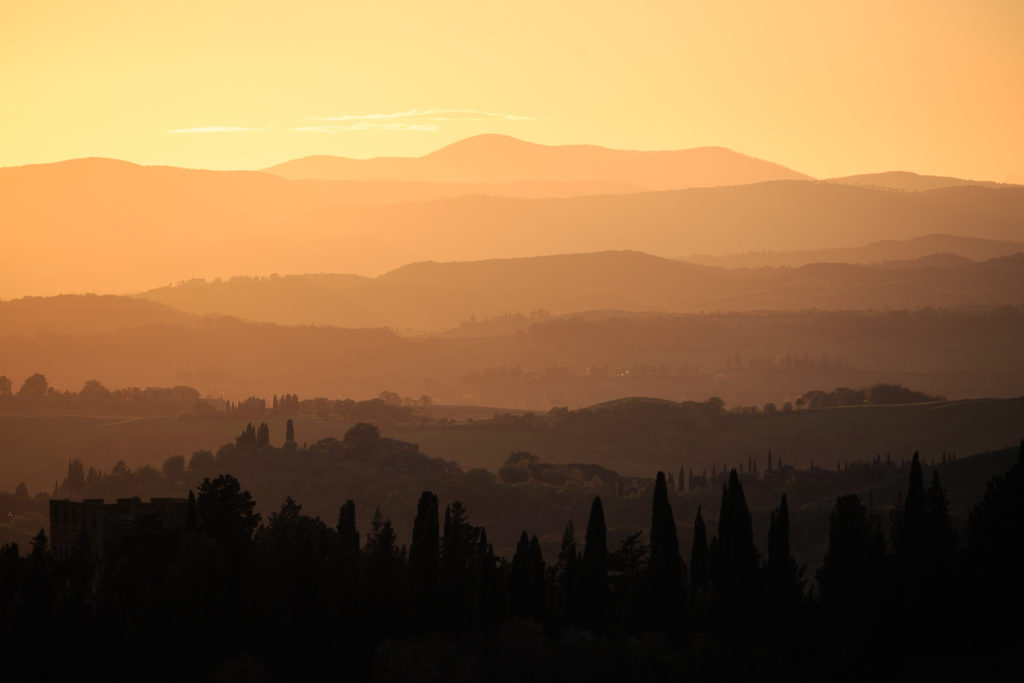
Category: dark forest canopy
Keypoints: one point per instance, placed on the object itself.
(287, 595)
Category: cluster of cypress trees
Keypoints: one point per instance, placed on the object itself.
(293, 595)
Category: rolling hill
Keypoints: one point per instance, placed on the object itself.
(973, 248)
(148, 226)
(431, 296)
(503, 159)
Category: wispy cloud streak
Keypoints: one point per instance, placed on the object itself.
(433, 114)
(367, 125)
(214, 129)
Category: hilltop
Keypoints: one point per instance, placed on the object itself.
(502, 159)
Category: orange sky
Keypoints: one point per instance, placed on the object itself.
(827, 88)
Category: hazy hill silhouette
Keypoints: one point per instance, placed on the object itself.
(909, 182)
(548, 362)
(916, 248)
(502, 159)
(86, 314)
(145, 226)
(435, 296)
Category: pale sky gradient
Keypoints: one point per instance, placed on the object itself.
(827, 88)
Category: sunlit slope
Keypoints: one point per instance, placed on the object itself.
(100, 225)
(502, 159)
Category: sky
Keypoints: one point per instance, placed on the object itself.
(826, 88)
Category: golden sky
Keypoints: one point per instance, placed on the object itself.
(827, 88)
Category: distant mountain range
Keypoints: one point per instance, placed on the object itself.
(99, 225)
(502, 159)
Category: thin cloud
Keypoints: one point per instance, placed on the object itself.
(433, 114)
(367, 125)
(214, 129)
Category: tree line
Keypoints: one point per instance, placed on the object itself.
(296, 595)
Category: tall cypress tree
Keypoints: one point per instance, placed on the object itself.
(425, 559)
(457, 549)
(519, 578)
(909, 522)
(191, 513)
(665, 569)
(289, 431)
(594, 570)
(784, 576)
(699, 555)
(568, 575)
(348, 537)
(737, 563)
(538, 584)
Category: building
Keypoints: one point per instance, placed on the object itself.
(106, 523)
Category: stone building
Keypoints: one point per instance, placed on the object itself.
(105, 523)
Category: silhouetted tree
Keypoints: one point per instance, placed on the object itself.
(699, 556)
(34, 387)
(852, 573)
(457, 550)
(289, 431)
(174, 468)
(226, 512)
(263, 435)
(191, 513)
(736, 565)
(785, 582)
(594, 571)
(665, 568)
(425, 559)
(361, 439)
(995, 552)
(567, 576)
(520, 582)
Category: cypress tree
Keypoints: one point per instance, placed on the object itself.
(568, 574)
(488, 598)
(519, 578)
(594, 570)
(909, 522)
(778, 537)
(699, 555)
(737, 565)
(538, 585)
(263, 435)
(289, 431)
(425, 558)
(665, 568)
(457, 548)
(348, 537)
(784, 576)
(191, 513)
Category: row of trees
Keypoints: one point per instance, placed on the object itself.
(295, 595)
(36, 392)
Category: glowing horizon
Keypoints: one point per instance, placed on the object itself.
(822, 88)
